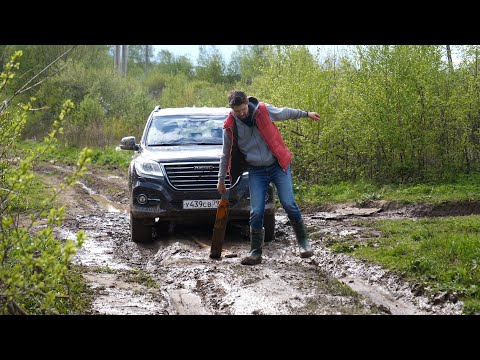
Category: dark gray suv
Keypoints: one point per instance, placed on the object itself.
(173, 175)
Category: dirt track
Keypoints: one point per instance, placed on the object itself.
(174, 275)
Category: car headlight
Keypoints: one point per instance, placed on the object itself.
(146, 167)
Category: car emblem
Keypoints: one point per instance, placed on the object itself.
(203, 167)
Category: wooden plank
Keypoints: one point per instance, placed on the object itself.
(220, 227)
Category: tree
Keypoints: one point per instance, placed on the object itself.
(211, 66)
(247, 62)
(140, 54)
(168, 63)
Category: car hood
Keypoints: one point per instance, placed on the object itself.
(180, 153)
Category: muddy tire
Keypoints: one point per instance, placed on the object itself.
(140, 232)
(269, 225)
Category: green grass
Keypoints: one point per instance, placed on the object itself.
(140, 277)
(442, 254)
(68, 155)
(80, 296)
(464, 188)
(37, 192)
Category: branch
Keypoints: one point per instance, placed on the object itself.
(43, 70)
(25, 88)
(15, 309)
(4, 53)
(41, 81)
(37, 109)
(297, 133)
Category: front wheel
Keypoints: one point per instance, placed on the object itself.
(140, 231)
(269, 225)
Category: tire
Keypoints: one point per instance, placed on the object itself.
(140, 232)
(269, 225)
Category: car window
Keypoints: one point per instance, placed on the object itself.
(185, 129)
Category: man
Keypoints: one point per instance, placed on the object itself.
(252, 142)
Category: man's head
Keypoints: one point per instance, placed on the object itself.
(238, 101)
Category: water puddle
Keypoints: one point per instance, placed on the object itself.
(96, 251)
(110, 206)
(104, 203)
(121, 298)
(115, 296)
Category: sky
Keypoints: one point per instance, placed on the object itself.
(191, 51)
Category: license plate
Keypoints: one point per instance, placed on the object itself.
(200, 204)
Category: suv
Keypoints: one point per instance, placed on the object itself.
(173, 175)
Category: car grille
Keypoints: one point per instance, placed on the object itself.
(193, 176)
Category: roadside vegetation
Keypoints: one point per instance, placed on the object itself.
(463, 188)
(35, 273)
(441, 255)
(399, 123)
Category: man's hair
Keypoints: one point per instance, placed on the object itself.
(237, 97)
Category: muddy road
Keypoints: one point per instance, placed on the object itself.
(175, 276)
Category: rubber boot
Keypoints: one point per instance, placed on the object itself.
(254, 257)
(302, 238)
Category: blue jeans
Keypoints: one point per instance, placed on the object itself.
(259, 179)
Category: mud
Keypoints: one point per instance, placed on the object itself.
(174, 275)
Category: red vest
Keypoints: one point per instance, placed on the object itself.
(270, 134)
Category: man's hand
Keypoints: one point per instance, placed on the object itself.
(313, 115)
(221, 187)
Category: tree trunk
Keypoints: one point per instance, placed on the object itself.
(146, 59)
(449, 56)
(124, 59)
(116, 58)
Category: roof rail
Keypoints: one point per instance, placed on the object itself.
(157, 108)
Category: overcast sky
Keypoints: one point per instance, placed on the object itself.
(191, 51)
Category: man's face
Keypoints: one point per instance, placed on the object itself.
(241, 111)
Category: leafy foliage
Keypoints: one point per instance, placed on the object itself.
(34, 264)
(390, 113)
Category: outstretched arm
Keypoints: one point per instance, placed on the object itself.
(279, 114)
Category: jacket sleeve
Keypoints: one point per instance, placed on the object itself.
(279, 114)
(225, 157)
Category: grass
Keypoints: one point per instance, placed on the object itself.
(442, 254)
(68, 155)
(141, 277)
(80, 295)
(464, 188)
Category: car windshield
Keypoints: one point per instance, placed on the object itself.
(185, 129)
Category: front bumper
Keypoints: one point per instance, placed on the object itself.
(166, 204)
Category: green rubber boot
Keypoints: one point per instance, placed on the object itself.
(302, 238)
(254, 257)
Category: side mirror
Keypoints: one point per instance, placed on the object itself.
(129, 143)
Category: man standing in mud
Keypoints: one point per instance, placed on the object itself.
(252, 142)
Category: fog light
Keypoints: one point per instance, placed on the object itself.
(142, 199)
